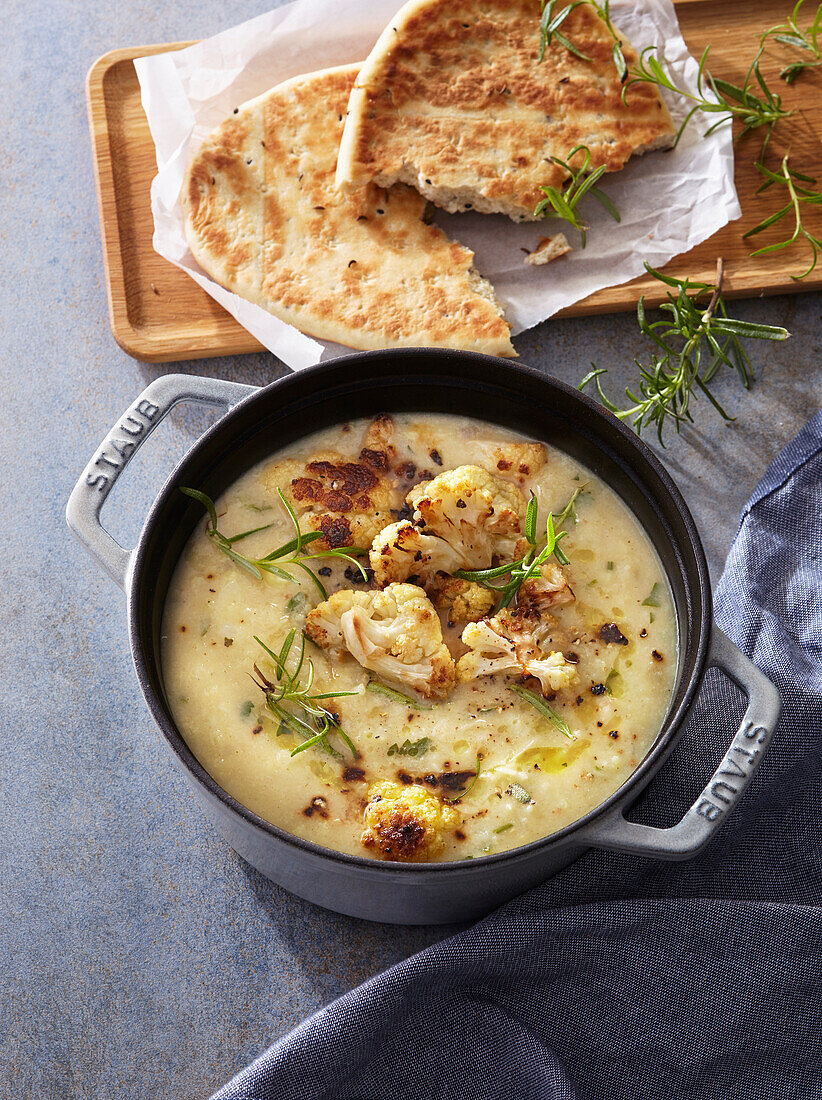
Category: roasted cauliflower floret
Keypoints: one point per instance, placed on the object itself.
(378, 450)
(474, 512)
(463, 519)
(464, 601)
(402, 550)
(395, 633)
(349, 500)
(513, 643)
(406, 822)
(550, 589)
(340, 529)
(516, 461)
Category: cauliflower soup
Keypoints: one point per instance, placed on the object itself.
(419, 638)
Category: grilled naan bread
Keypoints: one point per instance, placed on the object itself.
(454, 101)
(263, 218)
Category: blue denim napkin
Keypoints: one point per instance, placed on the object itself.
(623, 977)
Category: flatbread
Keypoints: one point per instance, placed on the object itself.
(263, 219)
(453, 100)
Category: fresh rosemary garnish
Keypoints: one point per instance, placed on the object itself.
(547, 711)
(527, 567)
(550, 22)
(798, 195)
(695, 342)
(504, 828)
(730, 100)
(468, 789)
(410, 748)
(564, 203)
(790, 34)
(383, 689)
(291, 701)
(276, 562)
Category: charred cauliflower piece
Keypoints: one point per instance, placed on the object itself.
(395, 633)
(406, 823)
(463, 519)
(551, 589)
(513, 642)
(402, 550)
(346, 529)
(478, 515)
(517, 461)
(378, 450)
(464, 601)
(350, 501)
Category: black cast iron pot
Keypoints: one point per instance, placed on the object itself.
(260, 421)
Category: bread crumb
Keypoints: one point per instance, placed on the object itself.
(549, 248)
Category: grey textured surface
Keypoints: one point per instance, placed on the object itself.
(140, 958)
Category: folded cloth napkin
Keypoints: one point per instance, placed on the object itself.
(623, 977)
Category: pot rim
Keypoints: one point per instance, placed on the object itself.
(638, 778)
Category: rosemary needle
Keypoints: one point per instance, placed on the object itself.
(459, 797)
(378, 688)
(547, 711)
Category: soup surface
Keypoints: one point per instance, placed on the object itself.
(495, 734)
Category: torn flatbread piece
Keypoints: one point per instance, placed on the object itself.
(454, 101)
(263, 219)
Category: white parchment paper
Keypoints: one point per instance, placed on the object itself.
(669, 201)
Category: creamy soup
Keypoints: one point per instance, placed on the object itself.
(500, 733)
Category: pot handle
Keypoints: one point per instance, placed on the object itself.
(121, 444)
(725, 787)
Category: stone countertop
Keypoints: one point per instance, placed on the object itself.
(141, 957)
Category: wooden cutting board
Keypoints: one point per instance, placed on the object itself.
(159, 314)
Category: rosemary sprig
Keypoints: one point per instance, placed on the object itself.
(797, 195)
(547, 711)
(551, 20)
(564, 203)
(528, 566)
(290, 699)
(694, 342)
(790, 34)
(278, 560)
(729, 100)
